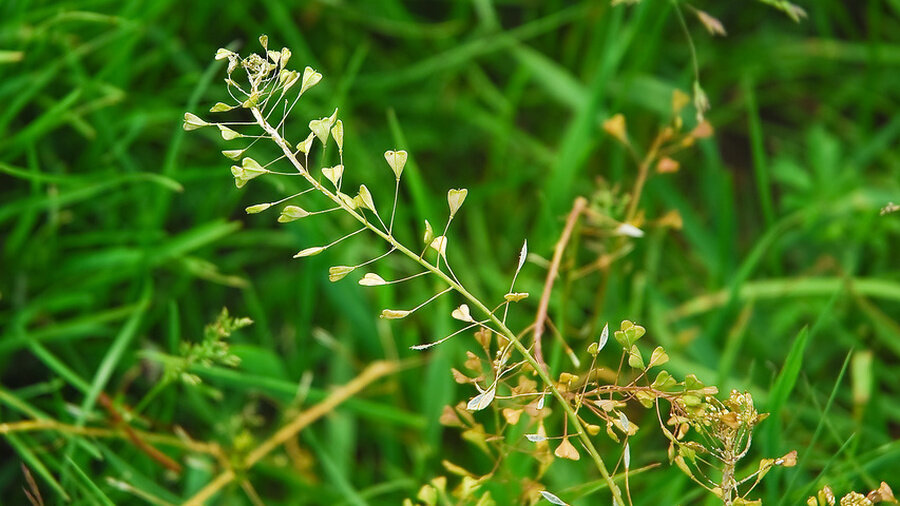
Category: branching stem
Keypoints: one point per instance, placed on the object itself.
(456, 286)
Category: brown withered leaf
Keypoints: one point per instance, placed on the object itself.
(472, 363)
(712, 25)
(512, 415)
(449, 418)
(483, 336)
(667, 165)
(703, 130)
(566, 450)
(459, 377)
(615, 126)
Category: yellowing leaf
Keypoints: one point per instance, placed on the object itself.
(512, 415)
(667, 165)
(552, 499)
(366, 198)
(334, 174)
(227, 133)
(703, 130)
(338, 272)
(347, 200)
(481, 400)
(615, 127)
(308, 252)
(566, 450)
(306, 145)
(258, 208)
(223, 53)
(372, 279)
(310, 78)
(221, 107)
(429, 233)
(285, 56)
(789, 460)
(635, 359)
(455, 199)
(291, 213)
(712, 25)
(322, 126)
(397, 160)
(394, 314)
(193, 122)
(338, 133)
(680, 100)
(658, 357)
(439, 244)
(629, 230)
(462, 314)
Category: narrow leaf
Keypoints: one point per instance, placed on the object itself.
(394, 314)
(292, 213)
(227, 133)
(481, 400)
(366, 197)
(604, 337)
(439, 244)
(553, 499)
(193, 122)
(629, 230)
(372, 279)
(338, 272)
(462, 313)
(338, 133)
(523, 254)
(455, 199)
(308, 252)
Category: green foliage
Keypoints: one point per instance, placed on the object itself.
(211, 351)
(122, 236)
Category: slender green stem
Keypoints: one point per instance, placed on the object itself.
(456, 286)
(687, 34)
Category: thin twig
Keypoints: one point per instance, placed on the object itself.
(577, 208)
(135, 438)
(63, 428)
(643, 172)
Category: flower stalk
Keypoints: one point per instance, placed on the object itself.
(453, 284)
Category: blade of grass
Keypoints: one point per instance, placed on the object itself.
(760, 163)
(110, 361)
(35, 464)
(809, 447)
(337, 478)
(99, 497)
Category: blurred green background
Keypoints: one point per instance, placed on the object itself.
(123, 235)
